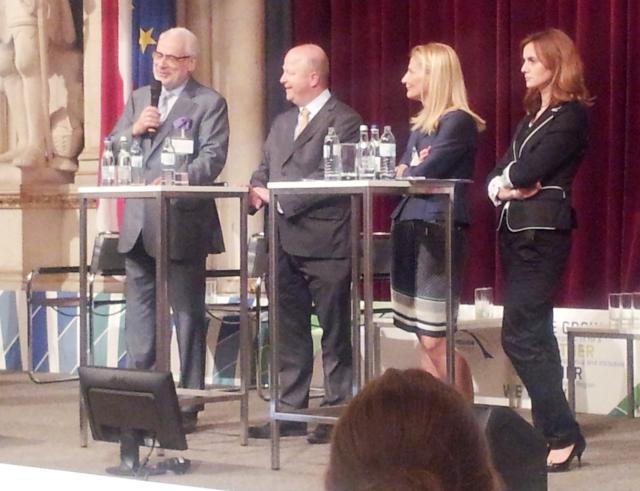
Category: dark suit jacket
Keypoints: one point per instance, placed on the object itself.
(194, 225)
(311, 226)
(452, 155)
(549, 151)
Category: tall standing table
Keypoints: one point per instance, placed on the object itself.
(162, 195)
(361, 194)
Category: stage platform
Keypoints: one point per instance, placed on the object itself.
(39, 428)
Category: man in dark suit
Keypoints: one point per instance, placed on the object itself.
(193, 224)
(314, 265)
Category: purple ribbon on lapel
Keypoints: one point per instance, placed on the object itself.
(183, 123)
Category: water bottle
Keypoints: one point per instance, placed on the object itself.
(123, 174)
(107, 165)
(137, 170)
(331, 155)
(364, 162)
(168, 161)
(387, 154)
(375, 149)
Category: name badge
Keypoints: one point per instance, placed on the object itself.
(182, 146)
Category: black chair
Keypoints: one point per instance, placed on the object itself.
(257, 265)
(105, 262)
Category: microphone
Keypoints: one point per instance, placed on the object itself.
(156, 89)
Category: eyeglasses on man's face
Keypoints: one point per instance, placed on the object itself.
(170, 59)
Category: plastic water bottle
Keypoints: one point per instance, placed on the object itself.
(123, 173)
(107, 165)
(375, 149)
(137, 170)
(168, 161)
(331, 155)
(387, 154)
(364, 162)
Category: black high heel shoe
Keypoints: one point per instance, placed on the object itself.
(577, 451)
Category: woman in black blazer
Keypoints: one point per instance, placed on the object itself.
(532, 183)
(442, 145)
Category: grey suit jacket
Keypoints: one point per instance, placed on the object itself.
(311, 226)
(193, 224)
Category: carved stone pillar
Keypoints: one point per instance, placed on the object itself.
(231, 35)
(92, 36)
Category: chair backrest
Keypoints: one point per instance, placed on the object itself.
(381, 255)
(257, 259)
(106, 259)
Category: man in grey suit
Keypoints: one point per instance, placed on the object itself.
(193, 224)
(314, 265)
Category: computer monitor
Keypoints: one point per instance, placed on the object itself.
(133, 407)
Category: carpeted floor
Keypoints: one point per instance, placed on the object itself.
(39, 427)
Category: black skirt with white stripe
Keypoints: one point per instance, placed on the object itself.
(418, 276)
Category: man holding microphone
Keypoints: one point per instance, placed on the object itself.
(193, 224)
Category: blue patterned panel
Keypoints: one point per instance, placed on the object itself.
(108, 343)
(108, 329)
(39, 334)
(9, 339)
(67, 324)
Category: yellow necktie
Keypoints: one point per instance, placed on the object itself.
(303, 120)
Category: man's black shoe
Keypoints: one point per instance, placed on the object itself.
(322, 434)
(189, 421)
(287, 428)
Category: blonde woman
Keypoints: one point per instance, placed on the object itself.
(442, 145)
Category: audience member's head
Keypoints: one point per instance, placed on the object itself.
(407, 431)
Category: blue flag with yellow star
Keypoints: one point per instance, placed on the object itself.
(148, 20)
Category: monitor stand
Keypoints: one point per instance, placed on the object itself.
(130, 458)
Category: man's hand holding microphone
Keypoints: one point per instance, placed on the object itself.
(149, 119)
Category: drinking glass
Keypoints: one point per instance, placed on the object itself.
(615, 302)
(181, 178)
(626, 310)
(348, 157)
(483, 302)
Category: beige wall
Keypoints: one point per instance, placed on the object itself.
(231, 34)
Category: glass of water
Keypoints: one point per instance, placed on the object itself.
(348, 153)
(626, 310)
(615, 310)
(483, 302)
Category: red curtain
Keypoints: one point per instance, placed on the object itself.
(368, 44)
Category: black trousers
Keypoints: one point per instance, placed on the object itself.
(186, 297)
(303, 284)
(533, 262)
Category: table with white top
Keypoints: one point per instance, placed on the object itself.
(362, 194)
(162, 195)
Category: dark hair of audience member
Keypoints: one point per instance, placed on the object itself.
(408, 431)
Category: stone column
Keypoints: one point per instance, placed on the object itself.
(92, 32)
(231, 34)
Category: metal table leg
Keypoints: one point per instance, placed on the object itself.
(83, 314)
(273, 335)
(631, 399)
(571, 371)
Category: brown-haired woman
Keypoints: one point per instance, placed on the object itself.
(533, 183)
(408, 431)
